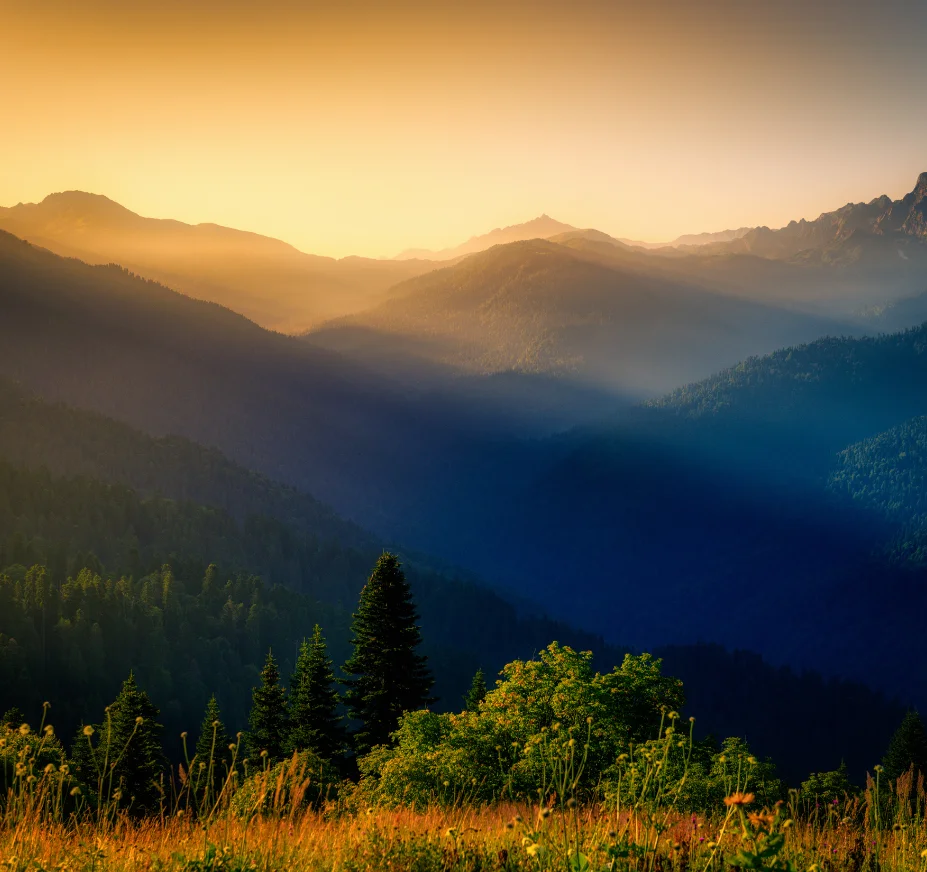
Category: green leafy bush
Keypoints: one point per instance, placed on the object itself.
(545, 716)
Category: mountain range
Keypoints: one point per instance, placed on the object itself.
(765, 497)
(264, 279)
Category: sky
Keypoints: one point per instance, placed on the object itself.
(359, 127)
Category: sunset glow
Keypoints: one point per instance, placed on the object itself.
(362, 128)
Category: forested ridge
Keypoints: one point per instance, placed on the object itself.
(99, 577)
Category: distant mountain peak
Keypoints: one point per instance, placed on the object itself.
(542, 227)
(921, 187)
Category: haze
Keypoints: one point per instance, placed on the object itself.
(361, 129)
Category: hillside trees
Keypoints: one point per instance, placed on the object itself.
(269, 719)
(907, 748)
(388, 676)
(314, 721)
(122, 758)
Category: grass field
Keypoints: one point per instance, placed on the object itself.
(503, 837)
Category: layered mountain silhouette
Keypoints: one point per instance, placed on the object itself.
(265, 279)
(580, 306)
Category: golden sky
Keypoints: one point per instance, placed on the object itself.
(365, 128)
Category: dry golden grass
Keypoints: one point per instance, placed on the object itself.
(471, 839)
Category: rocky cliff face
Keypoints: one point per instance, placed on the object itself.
(881, 217)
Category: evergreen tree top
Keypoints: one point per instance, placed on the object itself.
(477, 692)
(907, 747)
(387, 675)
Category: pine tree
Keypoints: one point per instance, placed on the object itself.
(476, 694)
(268, 718)
(389, 677)
(908, 746)
(314, 722)
(212, 747)
(124, 752)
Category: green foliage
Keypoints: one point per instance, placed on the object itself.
(907, 748)
(388, 675)
(269, 720)
(184, 635)
(240, 583)
(314, 721)
(121, 759)
(543, 715)
(477, 692)
(828, 787)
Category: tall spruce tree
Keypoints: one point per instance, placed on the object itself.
(314, 721)
(476, 694)
(908, 747)
(388, 675)
(268, 718)
(212, 747)
(124, 753)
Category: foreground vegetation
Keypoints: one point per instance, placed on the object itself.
(557, 766)
(879, 830)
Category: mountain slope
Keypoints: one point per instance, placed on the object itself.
(98, 338)
(197, 630)
(267, 280)
(541, 307)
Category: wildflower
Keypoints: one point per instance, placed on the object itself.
(739, 799)
(447, 783)
(49, 729)
(518, 819)
(762, 820)
(139, 720)
(75, 791)
(571, 803)
(612, 834)
(545, 813)
(673, 716)
(589, 719)
(722, 759)
(751, 761)
(533, 850)
(451, 833)
(50, 769)
(215, 724)
(88, 731)
(231, 746)
(24, 730)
